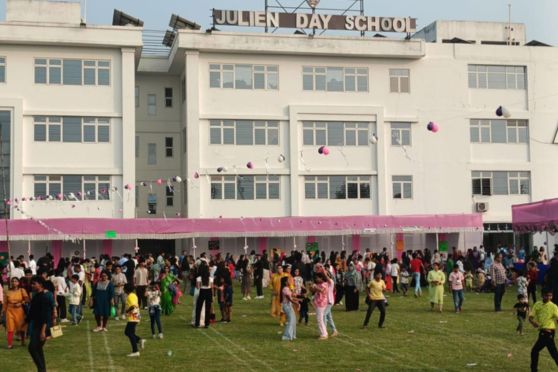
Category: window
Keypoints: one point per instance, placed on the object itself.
(501, 183)
(168, 97)
(337, 187)
(319, 133)
(72, 187)
(183, 89)
(402, 187)
(401, 134)
(137, 146)
(169, 147)
(497, 77)
(151, 104)
(243, 132)
(169, 192)
(71, 129)
(2, 69)
(335, 79)
(137, 95)
(152, 203)
(399, 81)
(244, 187)
(72, 71)
(244, 76)
(499, 131)
(151, 154)
(184, 140)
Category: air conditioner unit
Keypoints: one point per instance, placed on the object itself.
(481, 207)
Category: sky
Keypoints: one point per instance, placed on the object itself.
(538, 15)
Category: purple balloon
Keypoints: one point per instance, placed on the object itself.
(499, 111)
(321, 150)
(430, 126)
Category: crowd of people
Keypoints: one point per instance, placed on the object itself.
(43, 293)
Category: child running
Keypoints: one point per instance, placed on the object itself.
(133, 318)
(375, 298)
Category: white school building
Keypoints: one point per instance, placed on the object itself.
(96, 122)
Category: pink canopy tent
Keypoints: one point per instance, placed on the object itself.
(538, 216)
(180, 228)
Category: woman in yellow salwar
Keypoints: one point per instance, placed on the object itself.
(276, 311)
(436, 279)
(13, 307)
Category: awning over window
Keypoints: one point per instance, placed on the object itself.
(538, 216)
(178, 228)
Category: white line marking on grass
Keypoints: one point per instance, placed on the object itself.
(89, 347)
(385, 351)
(242, 349)
(222, 347)
(226, 350)
(108, 350)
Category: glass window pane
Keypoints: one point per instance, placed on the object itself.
(54, 133)
(103, 133)
(230, 191)
(245, 188)
(352, 190)
(512, 134)
(320, 82)
(365, 191)
(151, 153)
(405, 86)
(103, 191)
(228, 136)
(335, 79)
(261, 191)
(274, 191)
(308, 137)
(522, 134)
(407, 190)
(40, 132)
(259, 81)
(215, 81)
(72, 129)
(322, 190)
(350, 138)
(406, 137)
(39, 189)
(54, 75)
(273, 136)
(228, 79)
(350, 84)
(337, 187)
(89, 133)
(514, 186)
(243, 76)
(309, 190)
(244, 132)
(272, 80)
(472, 80)
(216, 191)
(71, 184)
(524, 187)
(320, 137)
(474, 131)
(215, 136)
(497, 80)
(72, 72)
(498, 131)
(89, 76)
(500, 183)
(396, 190)
(103, 76)
(40, 75)
(259, 136)
(54, 189)
(335, 134)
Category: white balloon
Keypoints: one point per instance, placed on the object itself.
(373, 139)
(281, 158)
(178, 179)
(506, 113)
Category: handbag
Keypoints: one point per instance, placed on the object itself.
(56, 331)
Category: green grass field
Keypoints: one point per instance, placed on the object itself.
(414, 339)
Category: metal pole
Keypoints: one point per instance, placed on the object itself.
(266, 21)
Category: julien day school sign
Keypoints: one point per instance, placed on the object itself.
(313, 21)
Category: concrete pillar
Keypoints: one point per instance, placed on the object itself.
(128, 133)
(192, 161)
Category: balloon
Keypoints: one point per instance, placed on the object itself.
(281, 158)
(196, 175)
(373, 139)
(114, 188)
(59, 196)
(128, 186)
(73, 205)
(250, 165)
(221, 169)
(435, 127)
(159, 181)
(8, 202)
(177, 179)
(23, 199)
(321, 150)
(430, 125)
(506, 113)
(325, 150)
(144, 184)
(499, 111)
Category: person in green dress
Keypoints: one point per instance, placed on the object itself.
(436, 279)
(167, 291)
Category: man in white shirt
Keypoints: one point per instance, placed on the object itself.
(118, 281)
(32, 264)
(17, 271)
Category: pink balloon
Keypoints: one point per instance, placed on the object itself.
(250, 165)
(128, 187)
(196, 175)
(325, 150)
(59, 196)
(435, 127)
(159, 181)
